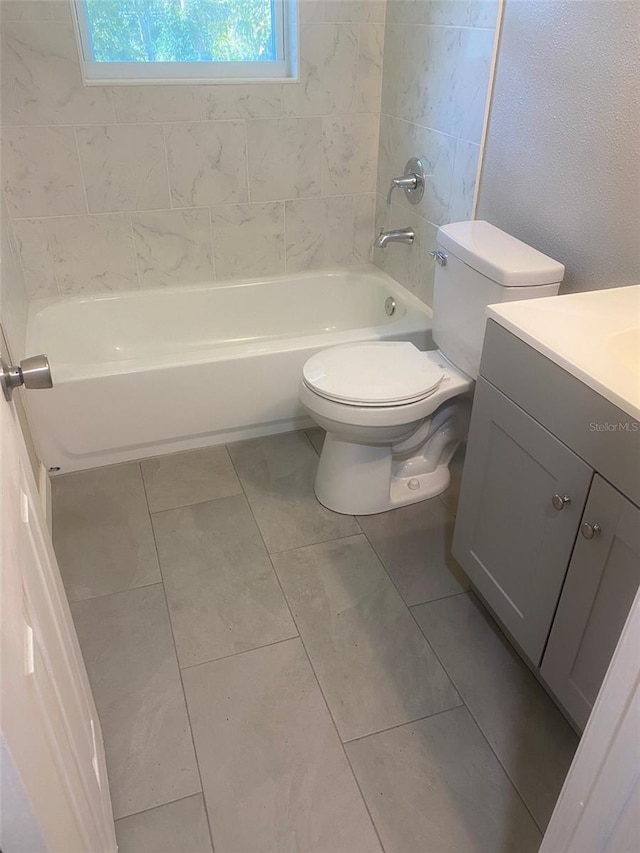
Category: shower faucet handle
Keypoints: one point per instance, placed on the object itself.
(412, 181)
(406, 182)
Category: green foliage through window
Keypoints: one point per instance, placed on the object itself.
(181, 30)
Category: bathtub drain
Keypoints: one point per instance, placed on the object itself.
(390, 305)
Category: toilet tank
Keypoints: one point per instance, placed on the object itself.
(483, 266)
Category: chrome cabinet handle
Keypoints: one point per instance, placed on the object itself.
(590, 530)
(559, 502)
(32, 372)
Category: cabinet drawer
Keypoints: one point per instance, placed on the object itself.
(512, 542)
(602, 581)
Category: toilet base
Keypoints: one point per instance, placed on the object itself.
(363, 479)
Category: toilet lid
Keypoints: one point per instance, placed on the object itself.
(378, 373)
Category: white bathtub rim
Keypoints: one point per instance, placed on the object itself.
(40, 303)
(77, 371)
(413, 320)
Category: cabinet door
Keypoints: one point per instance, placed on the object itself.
(601, 584)
(512, 542)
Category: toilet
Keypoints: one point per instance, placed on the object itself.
(394, 415)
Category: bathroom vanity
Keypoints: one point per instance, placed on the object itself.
(548, 525)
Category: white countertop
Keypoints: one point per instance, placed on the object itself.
(594, 336)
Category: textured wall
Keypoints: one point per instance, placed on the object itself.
(437, 61)
(122, 187)
(562, 162)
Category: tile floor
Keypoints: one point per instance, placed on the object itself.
(271, 676)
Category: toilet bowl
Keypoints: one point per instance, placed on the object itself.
(394, 415)
(388, 452)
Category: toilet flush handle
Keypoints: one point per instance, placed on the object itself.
(440, 257)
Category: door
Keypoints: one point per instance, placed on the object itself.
(521, 500)
(601, 584)
(53, 760)
(599, 803)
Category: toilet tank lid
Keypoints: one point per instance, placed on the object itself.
(497, 255)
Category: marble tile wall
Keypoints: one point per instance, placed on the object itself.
(121, 187)
(437, 62)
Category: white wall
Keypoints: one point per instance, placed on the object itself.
(437, 62)
(562, 162)
(112, 188)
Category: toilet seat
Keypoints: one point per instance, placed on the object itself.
(376, 374)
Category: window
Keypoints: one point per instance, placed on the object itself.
(186, 40)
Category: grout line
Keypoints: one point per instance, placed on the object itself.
(153, 808)
(245, 125)
(452, 514)
(200, 96)
(111, 101)
(421, 25)
(284, 236)
(212, 244)
(306, 432)
(428, 127)
(166, 166)
(506, 773)
(175, 650)
(330, 713)
(194, 503)
(297, 547)
(193, 207)
(473, 717)
(75, 601)
(236, 120)
(407, 723)
(322, 542)
(439, 598)
(134, 246)
(302, 643)
(340, 741)
(81, 170)
(453, 681)
(243, 652)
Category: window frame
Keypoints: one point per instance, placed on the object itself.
(283, 68)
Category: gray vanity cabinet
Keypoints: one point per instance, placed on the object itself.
(602, 580)
(512, 541)
(560, 575)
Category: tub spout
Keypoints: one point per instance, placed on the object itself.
(396, 235)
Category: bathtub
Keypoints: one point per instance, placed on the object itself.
(151, 372)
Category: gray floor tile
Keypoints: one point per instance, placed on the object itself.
(436, 785)
(450, 497)
(275, 776)
(222, 591)
(277, 473)
(128, 651)
(372, 661)
(529, 735)
(189, 478)
(175, 828)
(316, 437)
(102, 532)
(414, 543)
